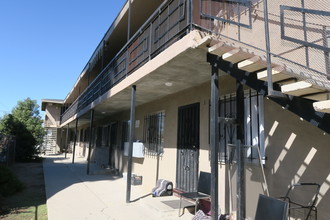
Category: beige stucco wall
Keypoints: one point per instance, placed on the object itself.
(307, 140)
(255, 36)
(146, 167)
(289, 141)
(52, 116)
(167, 164)
(170, 105)
(297, 151)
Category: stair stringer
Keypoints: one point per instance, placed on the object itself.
(300, 106)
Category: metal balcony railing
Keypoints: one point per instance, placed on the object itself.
(164, 27)
(298, 32)
(295, 36)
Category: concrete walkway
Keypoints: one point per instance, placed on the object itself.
(73, 195)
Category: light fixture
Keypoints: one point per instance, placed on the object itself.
(168, 84)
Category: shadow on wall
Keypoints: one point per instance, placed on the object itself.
(296, 152)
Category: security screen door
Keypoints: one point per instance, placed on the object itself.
(188, 147)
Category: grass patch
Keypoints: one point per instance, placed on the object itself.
(30, 203)
(32, 212)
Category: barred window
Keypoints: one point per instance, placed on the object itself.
(253, 127)
(86, 134)
(98, 136)
(125, 131)
(81, 136)
(153, 133)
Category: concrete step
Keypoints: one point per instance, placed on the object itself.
(236, 55)
(300, 89)
(287, 79)
(279, 73)
(322, 106)
(252, 64)
(220, 48)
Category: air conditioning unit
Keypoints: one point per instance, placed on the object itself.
(138, 149)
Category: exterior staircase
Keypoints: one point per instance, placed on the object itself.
(305, 94)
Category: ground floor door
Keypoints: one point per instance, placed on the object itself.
(188, 147)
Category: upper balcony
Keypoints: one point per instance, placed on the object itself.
(297, 41)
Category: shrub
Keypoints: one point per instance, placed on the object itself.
(9, 183)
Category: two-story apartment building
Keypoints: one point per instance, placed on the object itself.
(199, 75)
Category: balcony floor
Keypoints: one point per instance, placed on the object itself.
(181, 66)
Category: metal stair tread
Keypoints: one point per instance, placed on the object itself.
(252, 64)
(322, 106)
(236, 55)
(301, 88)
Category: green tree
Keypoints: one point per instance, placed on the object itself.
(26, 125)
(27, 112)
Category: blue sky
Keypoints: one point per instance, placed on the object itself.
(45, 44)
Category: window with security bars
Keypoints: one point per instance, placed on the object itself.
(102, 136)
(253, 127)
(153, 133)
(125, 131)
(86, 135)
(81, 135)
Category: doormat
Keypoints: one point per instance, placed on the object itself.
(175, 204)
